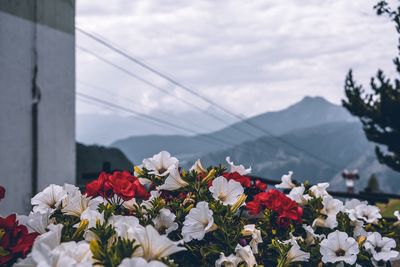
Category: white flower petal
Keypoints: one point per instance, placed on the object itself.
(226, 191)
(286, 182)
(339, 247)
(173, 181)
(49, 199)
(246, 254)
(165, 221)
(154, 246)
(140, 262)
(161, 164)
(240, 169)
(198, 222)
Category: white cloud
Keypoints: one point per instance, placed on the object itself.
(249, 56)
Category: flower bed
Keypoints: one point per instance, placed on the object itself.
(163, 215)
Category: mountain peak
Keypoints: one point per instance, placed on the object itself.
(313, 103)
(314, 99)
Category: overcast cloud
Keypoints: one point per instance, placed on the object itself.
(250, 56)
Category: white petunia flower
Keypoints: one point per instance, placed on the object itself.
(173, 182)
(161, 164)
(75, 205)
(153, 194)
(198, 222)
(381, 247)
(36, 221)
(240, 169)
(140, 262)
(339, 247)
(92, 216)
(165, 221)
(198, 167)
(125, 226)
(351, 204)
(71, 189)
(331, 208)
(358, 228)
(286, 182)
(397, 214)
(319, 190)
(251, 230)
(311, 236)
(230, 261)
(49, 199)
(226, 191)
(47, 251)
(130, 204)
(366, 213)
(297, 195)
(26, 262)
(246, 254)
(295, 254)
(154, 246)
(46, 243)
(68, 254)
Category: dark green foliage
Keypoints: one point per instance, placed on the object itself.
(379, 109)
(373, 184)
(107, 253)
(90, 158)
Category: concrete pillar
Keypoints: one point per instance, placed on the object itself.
(37, 54)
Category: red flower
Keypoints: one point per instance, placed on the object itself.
(140, 190)
(2, 192)
(257, 204)
(274, 200)
(243, 180)
(122, 184)
(260, 185)
(15, 240)
(98, 187)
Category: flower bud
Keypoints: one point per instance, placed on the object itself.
(243, 242)
(210, 176)
(213, 228)
(81, 228)
(239, 202)
(188, 208)
(138, 170)
(188, 200)
(198, 167)
(361, 240)
(95, 248)
(183, 173)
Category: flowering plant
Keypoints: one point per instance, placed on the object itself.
(162, 215)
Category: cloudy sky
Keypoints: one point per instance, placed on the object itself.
(249, 56)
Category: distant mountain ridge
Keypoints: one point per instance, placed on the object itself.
(314, 138)
(310, 111)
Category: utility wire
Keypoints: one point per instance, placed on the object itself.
(109, 93)
(193, 92)
(205, 138)
(190, 104)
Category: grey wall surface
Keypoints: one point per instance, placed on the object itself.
(52, 39)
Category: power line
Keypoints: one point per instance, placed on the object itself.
(190, 104)
(154, 119)
(193, 92)
(107, 92)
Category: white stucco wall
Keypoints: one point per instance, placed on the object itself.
(56, 116)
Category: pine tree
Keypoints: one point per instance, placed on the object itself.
(379, 109)
(373, 184)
